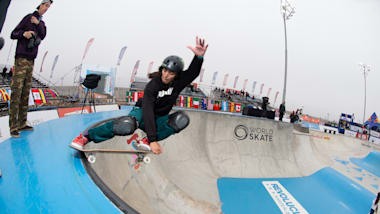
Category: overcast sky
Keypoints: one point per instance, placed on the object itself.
(326, 41)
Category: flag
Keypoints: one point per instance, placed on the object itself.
(53, 67)
(134, 72)
(245, 84)
(4, 97)
(43, 60)
(135, 96)
(224, 105)
(210, 105)
(253, 87)
(181, 101)
(201, 75)
(129, 96)
(31, 99)
(275, 97)
(216, 106)
(121, 54)
(149, 68)
(36, 96)
(373, 118)
(89, 43)
(261, 89)
(189, 102)
(231, 107)
(43, 95)
(225, 80)
(214, 78)
(269, 89)
(236, 80)
(52, 92)
(195, 102)
(140, 94)
(204, 104)
(238, 107)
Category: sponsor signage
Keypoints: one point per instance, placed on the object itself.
(356, 128)
(349, 133)
(34, 119)
(256, 134)
(63, 112)
(374, 140)
(374, 133)
(284, 200)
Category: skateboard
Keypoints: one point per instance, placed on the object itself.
(140, 154)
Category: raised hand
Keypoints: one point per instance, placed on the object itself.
(200, 47)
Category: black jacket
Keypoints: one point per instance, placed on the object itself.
(159, 98)
(22, 43)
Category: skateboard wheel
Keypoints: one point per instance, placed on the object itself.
(91, 158)
(146, 160)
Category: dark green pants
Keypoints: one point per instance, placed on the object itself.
(105, 131)
(20, 87)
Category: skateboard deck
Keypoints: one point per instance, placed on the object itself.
(113, 150)
(131, 140)
(92, 159)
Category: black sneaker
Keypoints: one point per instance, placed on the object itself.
(15, 134)
(27, 128)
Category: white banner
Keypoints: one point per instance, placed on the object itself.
(105, 108)
(328, 129)
(356, 129)
(349, 133)
(34, 119)
(374, 133)
(284, 200)
(374, 140)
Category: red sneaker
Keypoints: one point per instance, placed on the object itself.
(79, 142)
(143, 144)
(133, 138)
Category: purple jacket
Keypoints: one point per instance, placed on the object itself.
(22, 50)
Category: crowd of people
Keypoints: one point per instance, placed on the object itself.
(228, 95)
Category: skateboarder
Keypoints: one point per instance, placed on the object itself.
(152, 116)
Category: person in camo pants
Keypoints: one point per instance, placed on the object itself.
(28, 33)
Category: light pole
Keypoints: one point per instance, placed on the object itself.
(365, 69)
(287, 11)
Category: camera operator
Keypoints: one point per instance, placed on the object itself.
(28, 33)
(264, 105)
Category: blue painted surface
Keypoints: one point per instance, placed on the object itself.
(371, 162)
(310, 125)
(326, 191)
(42, 174)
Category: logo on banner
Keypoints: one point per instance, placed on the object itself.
(256, 134)
(284, 200)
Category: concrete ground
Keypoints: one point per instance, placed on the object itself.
(183, 179)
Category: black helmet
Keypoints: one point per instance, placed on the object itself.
(173, 63)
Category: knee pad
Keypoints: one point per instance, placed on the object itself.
(125, 125)
(178, 121)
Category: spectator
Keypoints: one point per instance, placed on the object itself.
(375, 204)
(28, 33)
(282, 110)
(4, 72)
